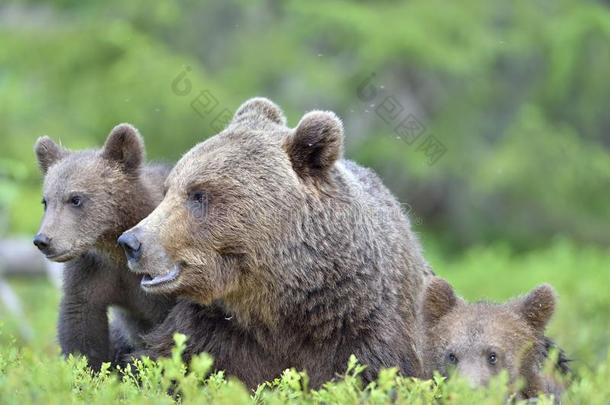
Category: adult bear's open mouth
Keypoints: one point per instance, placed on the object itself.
(149, 281)
(60, 257)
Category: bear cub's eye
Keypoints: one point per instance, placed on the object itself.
(452, 358)
(492, 358)
(44, 203)
(76, 201)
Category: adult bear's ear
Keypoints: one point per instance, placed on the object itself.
(48, 153)
(259, 109)
(538, 306)
(124, 146)
(439, 300)
(316, 144)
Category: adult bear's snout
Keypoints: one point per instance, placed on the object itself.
(131, 245)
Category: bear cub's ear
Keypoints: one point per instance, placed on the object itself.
(538, 306)
(259, 109)
(439, 300)
(316, 144)
(125, 146)
(48, 153)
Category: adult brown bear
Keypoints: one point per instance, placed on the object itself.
(306, 258)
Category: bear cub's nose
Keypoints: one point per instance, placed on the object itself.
(42, 241)
(131, 245)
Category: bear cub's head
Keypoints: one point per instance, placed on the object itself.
(87, 194)
(478, 340)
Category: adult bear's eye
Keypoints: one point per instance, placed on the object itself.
(492, 358)
(199, 201)
(199, 197)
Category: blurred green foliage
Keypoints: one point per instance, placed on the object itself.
(517, 93)
(11, 174)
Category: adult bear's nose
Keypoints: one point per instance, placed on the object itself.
(131, 245)
(42, 241)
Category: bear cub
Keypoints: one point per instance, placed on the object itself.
(478, 340)
(90, 197)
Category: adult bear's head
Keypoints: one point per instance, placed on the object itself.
(234, 203)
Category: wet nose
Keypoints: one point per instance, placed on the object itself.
(42, 241)
(131, 245)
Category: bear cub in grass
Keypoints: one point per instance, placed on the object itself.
(91, 197)
(306, 257)
(478, 340)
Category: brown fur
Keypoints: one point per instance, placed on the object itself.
(305, 257)
(115, 192)
(466, 337)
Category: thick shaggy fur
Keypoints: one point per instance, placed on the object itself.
(91, 197)
(285, 254)
(480, 339)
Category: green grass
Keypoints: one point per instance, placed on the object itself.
(33, 371)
